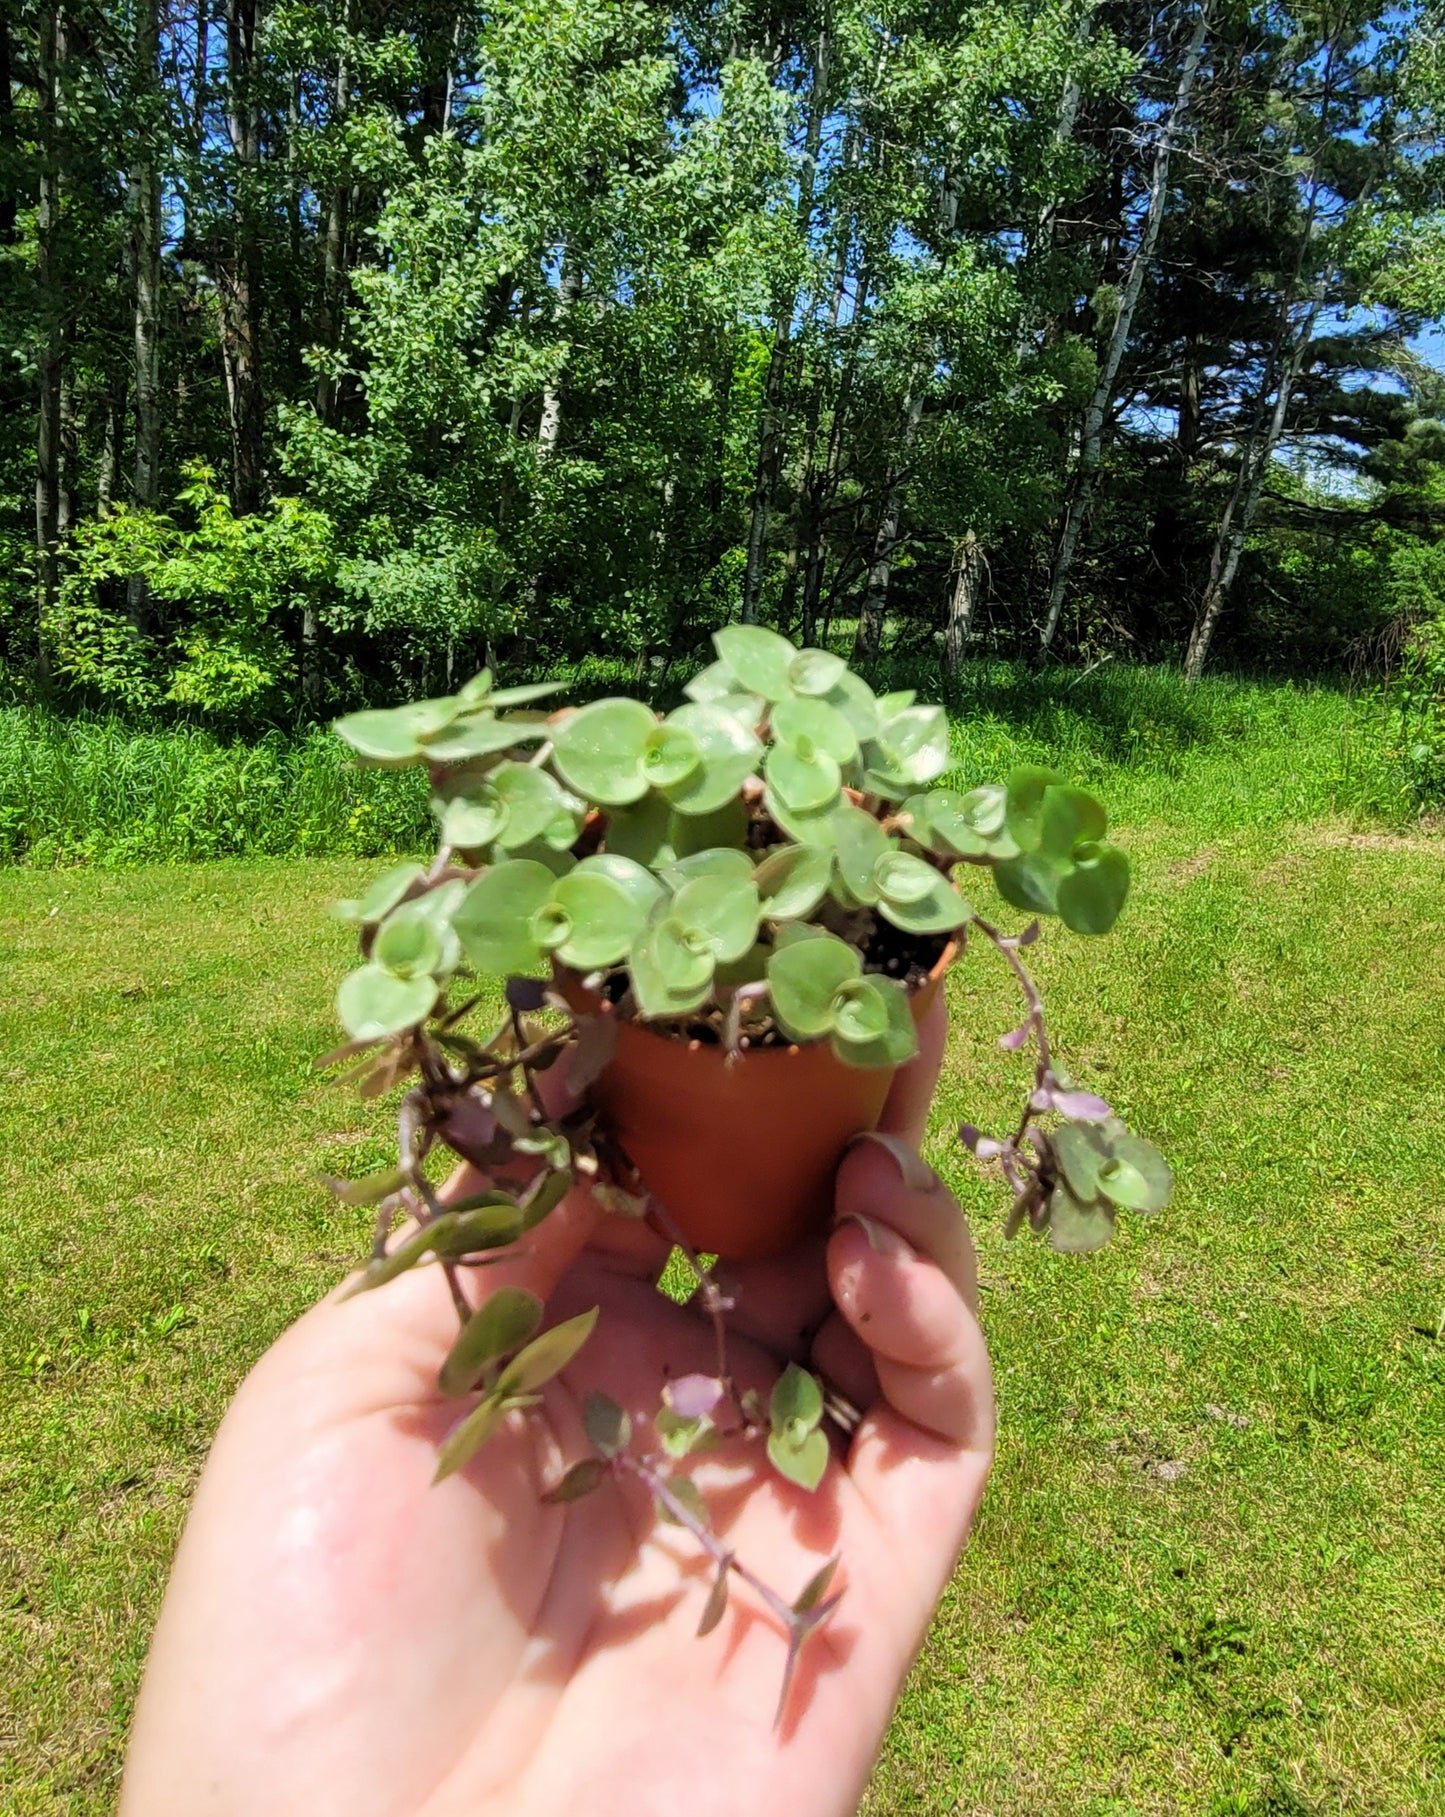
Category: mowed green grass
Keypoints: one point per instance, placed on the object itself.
(1209, 1576)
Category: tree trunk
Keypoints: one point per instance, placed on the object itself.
(112, 442)
(880, 573)
(1243, 502)
(969, 570)
(334, 256)
(770, 423)
(240, 280)
(48, 437)
(1092, 444)
(144, 204)
(9, 197)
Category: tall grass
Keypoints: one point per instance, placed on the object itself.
(1228, 753)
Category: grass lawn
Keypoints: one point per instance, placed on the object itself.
(1209, 1576)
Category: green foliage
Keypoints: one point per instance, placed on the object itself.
(1417, 694)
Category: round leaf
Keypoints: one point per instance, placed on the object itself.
(1029, 882)
(758, 658)
(715, 861)
(800, 721)
(641, 832)
(1066, 817)
(1080, 1156)
(388, 738)
(671, 969)
(872, 1024)
(599, 750)
(911, 748)
(493, 920)
(915, 897)
(862, 847)
(729, 754)
(374, 1003)
(604, 916)
(1024, 803)
(533, 801)
(408, 942)
(1074, 1228)
(804, 1463)
(481, 735)
(1092, 892)
(382, 896)
(639, 883)
(1136, 1175)
(723, 912)
(803, 978)
(805, 778)
(815, 672)
(793, 881)
(473, 820)
(670, 757)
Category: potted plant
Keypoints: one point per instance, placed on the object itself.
(722, 926)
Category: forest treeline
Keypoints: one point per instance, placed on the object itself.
(347, 343)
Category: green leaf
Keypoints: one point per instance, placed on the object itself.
(728, 751)
(723, 912)
(1029, 882)
(374, 1003)
(670, 756)
(759, 659)
(803, 978)
(1075, 1228)
(584, 1476)
(686, 1491)
(682, 1437)
(862, 846)
(547, 1355)
(816, 1588)
(549, 1189)
(491, 1221)
(803, 1463)
(815, 672)
(605, 918)
(793, 880)
(462, 1445)
(1080, 1155)
(638, 883)
(1092, 892)
(501, 1324)
(796, 1401)
(816, 829)
(382, 896)
(476, 692)
(493, 921)
(1066, 817)
(388, 738)
(716, 1605)
(855, 700)
(814, 721)
(641, 832)
(371, 1189)
(396, 1262)
(1136, 1175)
(606, 1424)
(911, 748)
(481, 735)
(970, 826)
(408, 942)
(726, 826)
(914, 896)
(671, 969)
(533, 802)
(527, 691)
(1024, 803)
(472, 820)
(891, 705)
(804, 778)
(600, 749)
(872, 1024)
(715, 861)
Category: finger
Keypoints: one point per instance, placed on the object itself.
(911, 1094)
(885, 1179)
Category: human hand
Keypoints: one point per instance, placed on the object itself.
(341, 1636)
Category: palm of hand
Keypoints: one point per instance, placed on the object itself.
(340, 1635)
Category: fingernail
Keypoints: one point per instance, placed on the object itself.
(880, 1237)
(913, 1170)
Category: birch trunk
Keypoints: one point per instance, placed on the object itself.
(144, 204)
(240, 278)
(770, 426)
(1092, 442)
(49, 59)
(970, 568)
(880, 573)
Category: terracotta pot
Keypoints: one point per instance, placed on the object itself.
(742, 1156)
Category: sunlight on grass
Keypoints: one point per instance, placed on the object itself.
(1207, 1577)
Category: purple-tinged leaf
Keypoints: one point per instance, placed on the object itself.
(799, 1628)
(717, 1603)
(466, 1439)
(1015, 1038)
(816, 1588)
(970, 1136)
(693, 1397)
(605, 1424)
(1030, 934)
(596, 1043)
(1041, 1098)
(526, 994)
(988, 1148)
(580, 1480)
(1081, 1106)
